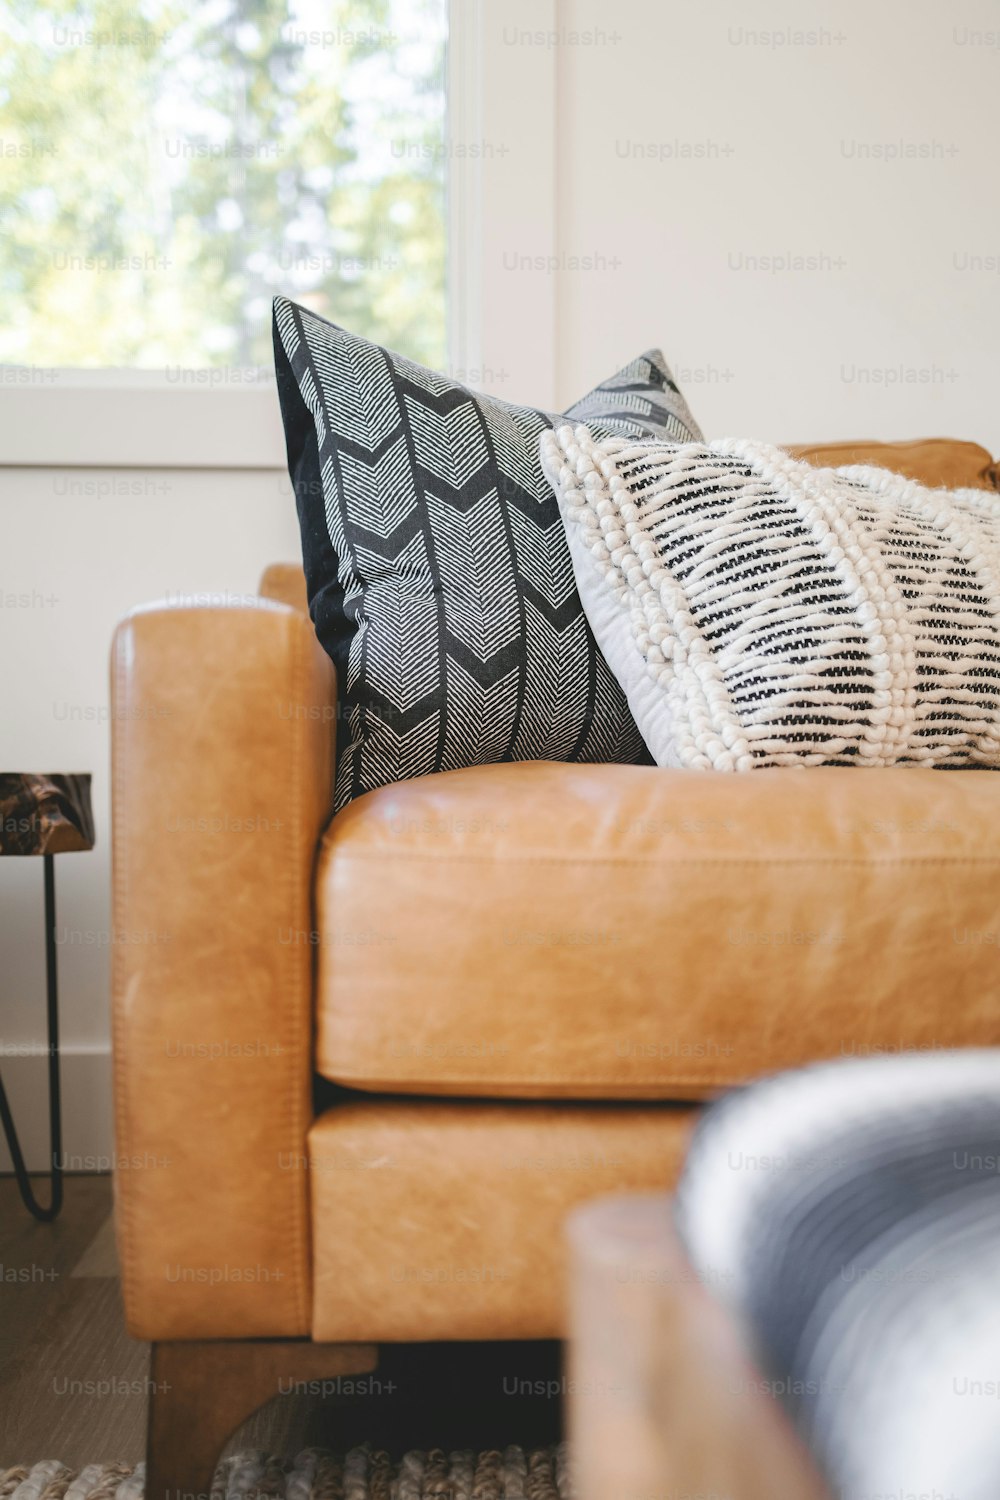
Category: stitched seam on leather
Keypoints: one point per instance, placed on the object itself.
(725, 859)
(299, 1125)
(384, 1082)
(121, 728)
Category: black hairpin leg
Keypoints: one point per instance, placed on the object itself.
(46, 1215)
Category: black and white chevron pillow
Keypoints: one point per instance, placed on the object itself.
(761, 612)
(436, 562)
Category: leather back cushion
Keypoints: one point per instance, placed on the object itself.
(285, 582)
(936, 462)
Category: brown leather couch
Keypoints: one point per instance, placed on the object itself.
(515, 982)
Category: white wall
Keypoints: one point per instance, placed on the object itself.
(83, 546)
(763, 354)
(888, 336)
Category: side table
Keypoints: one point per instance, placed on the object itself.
(664, 1398)
(46, 815)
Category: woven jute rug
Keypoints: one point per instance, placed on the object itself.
(315, 1474)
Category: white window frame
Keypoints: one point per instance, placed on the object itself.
(502, 98)
(501, 133)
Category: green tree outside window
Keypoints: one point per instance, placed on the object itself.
(166, 167)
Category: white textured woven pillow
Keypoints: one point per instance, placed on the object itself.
(760, 612)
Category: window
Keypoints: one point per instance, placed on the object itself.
(168, 165)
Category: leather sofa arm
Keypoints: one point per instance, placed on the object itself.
(223, 754)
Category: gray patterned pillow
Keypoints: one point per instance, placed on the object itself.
(436, 563)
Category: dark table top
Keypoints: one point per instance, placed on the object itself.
(45, 813)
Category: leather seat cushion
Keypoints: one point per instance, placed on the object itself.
(440, 1220)
(625, 932)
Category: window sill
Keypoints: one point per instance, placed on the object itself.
(138, 419)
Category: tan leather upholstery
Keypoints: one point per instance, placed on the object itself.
(223, 760)
(941, 463)
(534, 929)
(444, 1221)
(630, 932)
(286, 583)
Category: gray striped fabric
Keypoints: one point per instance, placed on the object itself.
(849, 1214)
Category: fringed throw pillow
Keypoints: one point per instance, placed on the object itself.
(761, 612)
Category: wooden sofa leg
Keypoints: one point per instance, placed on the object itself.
(200, 1392)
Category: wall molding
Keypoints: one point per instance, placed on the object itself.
(87, 1127)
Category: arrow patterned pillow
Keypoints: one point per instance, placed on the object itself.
(436, 562)
(760, 612)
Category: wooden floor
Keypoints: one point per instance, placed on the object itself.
(72, 1382)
